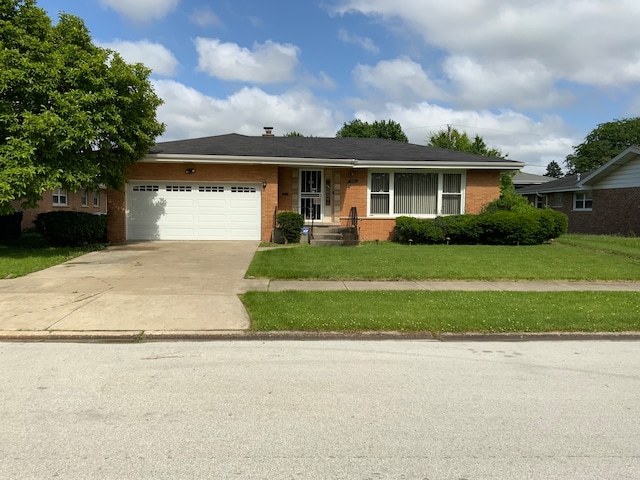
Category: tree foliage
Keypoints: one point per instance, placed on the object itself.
(453, 139)
(71, 114)
(603, 143)
(293, 134)
(554, 170)
(379, 129)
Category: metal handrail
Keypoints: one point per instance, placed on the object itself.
(353, 222)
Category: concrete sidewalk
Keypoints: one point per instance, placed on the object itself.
(469, 286)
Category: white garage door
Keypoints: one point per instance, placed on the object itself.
(193, 211)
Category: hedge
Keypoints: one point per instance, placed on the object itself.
(66, 228)
(291, 224)
(502, 227)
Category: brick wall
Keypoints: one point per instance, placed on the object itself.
(353, 194)
(483, 186)
(204, 173)
(74, 203)
(615, 211)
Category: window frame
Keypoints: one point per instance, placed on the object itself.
(84, 197)
(439, 196)
(57, 194)
(586, 197)
(96, 198)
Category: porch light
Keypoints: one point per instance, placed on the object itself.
(264, 184)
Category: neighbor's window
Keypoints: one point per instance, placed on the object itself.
(557, 200)
(85, 197)
(582, 201)
(96, 198)
(59, 197)
(539, 201)
(417, 194)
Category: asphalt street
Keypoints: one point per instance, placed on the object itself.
(321, 410)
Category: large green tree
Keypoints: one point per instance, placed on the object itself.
(553, 170)
(603, 143)
(71, 114)
(379, 129)
(453, 139)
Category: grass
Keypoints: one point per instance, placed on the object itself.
(627, 246)
(31, 253)
(572, 257)
(449, 311)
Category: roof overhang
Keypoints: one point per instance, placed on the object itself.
(330, 162)
(611, 166)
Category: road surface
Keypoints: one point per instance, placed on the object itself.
(321, 410)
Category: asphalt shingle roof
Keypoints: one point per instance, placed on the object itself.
(366, 149)
(565, 183)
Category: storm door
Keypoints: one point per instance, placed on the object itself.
(311, 194)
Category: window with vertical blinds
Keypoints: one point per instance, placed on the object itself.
(379, 193)
(410, 193)
(415, 193)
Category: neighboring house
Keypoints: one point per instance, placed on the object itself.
(602, 201)
(229, 187)
(524, 179)
(86, 200)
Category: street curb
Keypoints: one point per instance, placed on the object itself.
(138, 336)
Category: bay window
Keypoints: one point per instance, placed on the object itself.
(415, 193)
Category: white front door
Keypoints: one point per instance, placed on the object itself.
(311, 195)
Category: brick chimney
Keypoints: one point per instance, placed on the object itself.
(267, 132)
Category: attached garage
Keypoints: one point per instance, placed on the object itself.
(193, 211)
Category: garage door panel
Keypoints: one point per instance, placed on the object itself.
(193, 212)
(212, 203)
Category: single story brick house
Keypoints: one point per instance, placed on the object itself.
(228, 187)
(85, 200)
(602, 202)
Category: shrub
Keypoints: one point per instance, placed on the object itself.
(460, 229)
(64, 228)
(552, 224)
(505, 227)
(11, 226)
(511, 202)
(530, 226)
(290, 224)
(418, 230)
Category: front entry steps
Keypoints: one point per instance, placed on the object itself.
(333, 235)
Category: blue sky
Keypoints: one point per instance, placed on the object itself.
(531, 77)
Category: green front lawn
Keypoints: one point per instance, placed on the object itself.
(435, 312)
(571, 258)
(31, 253)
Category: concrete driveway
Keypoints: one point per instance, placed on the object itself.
(150, 286)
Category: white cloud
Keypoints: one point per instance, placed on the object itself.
(400, 79)
(522, 138)
(189, 113)
(594, 42)
(322, 81)
(363, 42)
(153, 55)
(521, 83)
(142, 10)
(205, 17)
(269, 62)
